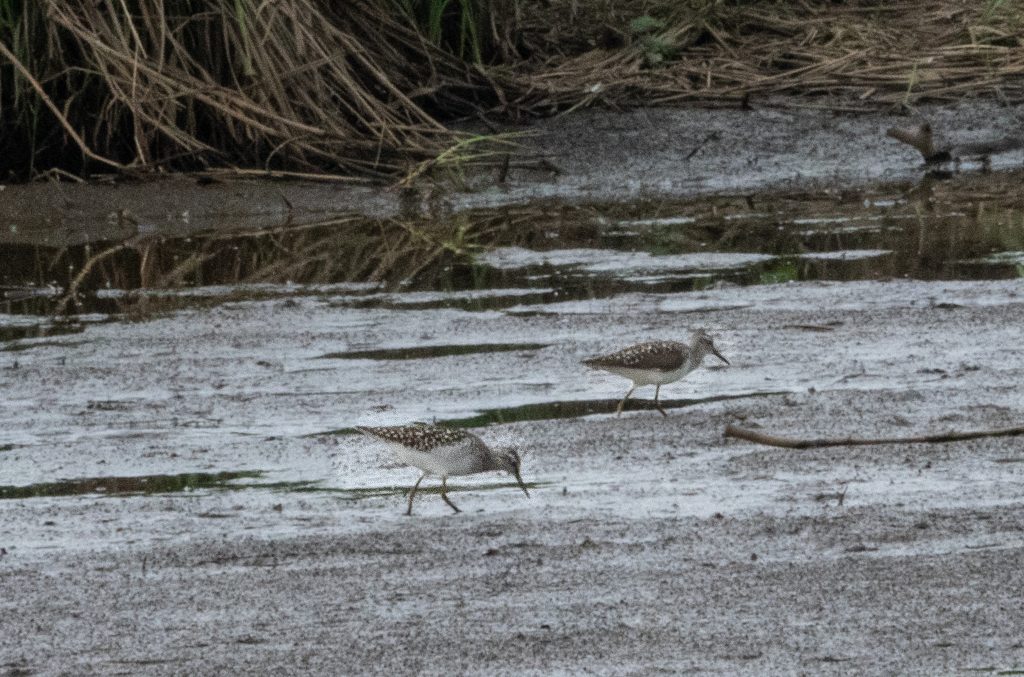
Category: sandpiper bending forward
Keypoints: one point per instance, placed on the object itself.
(445, 452)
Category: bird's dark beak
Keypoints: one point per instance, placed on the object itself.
(522, 485)
(719, 355)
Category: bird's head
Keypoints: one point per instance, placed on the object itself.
(510, 460)
(703, 344)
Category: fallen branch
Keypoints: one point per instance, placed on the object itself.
(790, 443)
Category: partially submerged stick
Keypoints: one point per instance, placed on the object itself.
(791, 443)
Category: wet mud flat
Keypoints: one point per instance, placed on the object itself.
(182, 491)
(650, 544)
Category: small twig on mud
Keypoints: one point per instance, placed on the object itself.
(812, 327)
(791, 443)
(847, 377)
(713, 136)
(839, 496)
(240, 173)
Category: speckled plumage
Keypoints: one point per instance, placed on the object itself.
(422, 437)
(444, 452)
(656, 355)
(656, 363)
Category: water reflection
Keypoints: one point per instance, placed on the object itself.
(969, 227)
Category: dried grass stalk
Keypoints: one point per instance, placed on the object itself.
(301, 85)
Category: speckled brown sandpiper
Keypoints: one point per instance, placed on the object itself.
(656, 363)
(445, 452)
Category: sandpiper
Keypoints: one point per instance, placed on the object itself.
(445, 452)
(934, 151)
(657, 363)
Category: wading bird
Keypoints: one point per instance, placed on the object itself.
(656, 363)
(445, 452)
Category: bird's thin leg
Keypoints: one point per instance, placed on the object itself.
(618, 412)
(412, 492)
(657, 404)
(444, 494)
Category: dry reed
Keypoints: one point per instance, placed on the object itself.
(865, 54)
(294, 84)
(310, 87)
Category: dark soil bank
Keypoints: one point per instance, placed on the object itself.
(590, 156)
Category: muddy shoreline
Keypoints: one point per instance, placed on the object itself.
(600, 156)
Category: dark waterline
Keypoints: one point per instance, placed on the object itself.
(425, 352)
(124, 486)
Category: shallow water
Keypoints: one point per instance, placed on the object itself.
(968, 226)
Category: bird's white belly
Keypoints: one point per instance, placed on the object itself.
(443, 461)
(650, 377)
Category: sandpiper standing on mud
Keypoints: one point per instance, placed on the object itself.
(445, 452)
(656, 363)
(935, 151)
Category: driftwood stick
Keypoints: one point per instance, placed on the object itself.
(791, 443)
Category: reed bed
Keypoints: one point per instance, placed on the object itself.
(369, 89)
(294, 84)
(863, 54)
